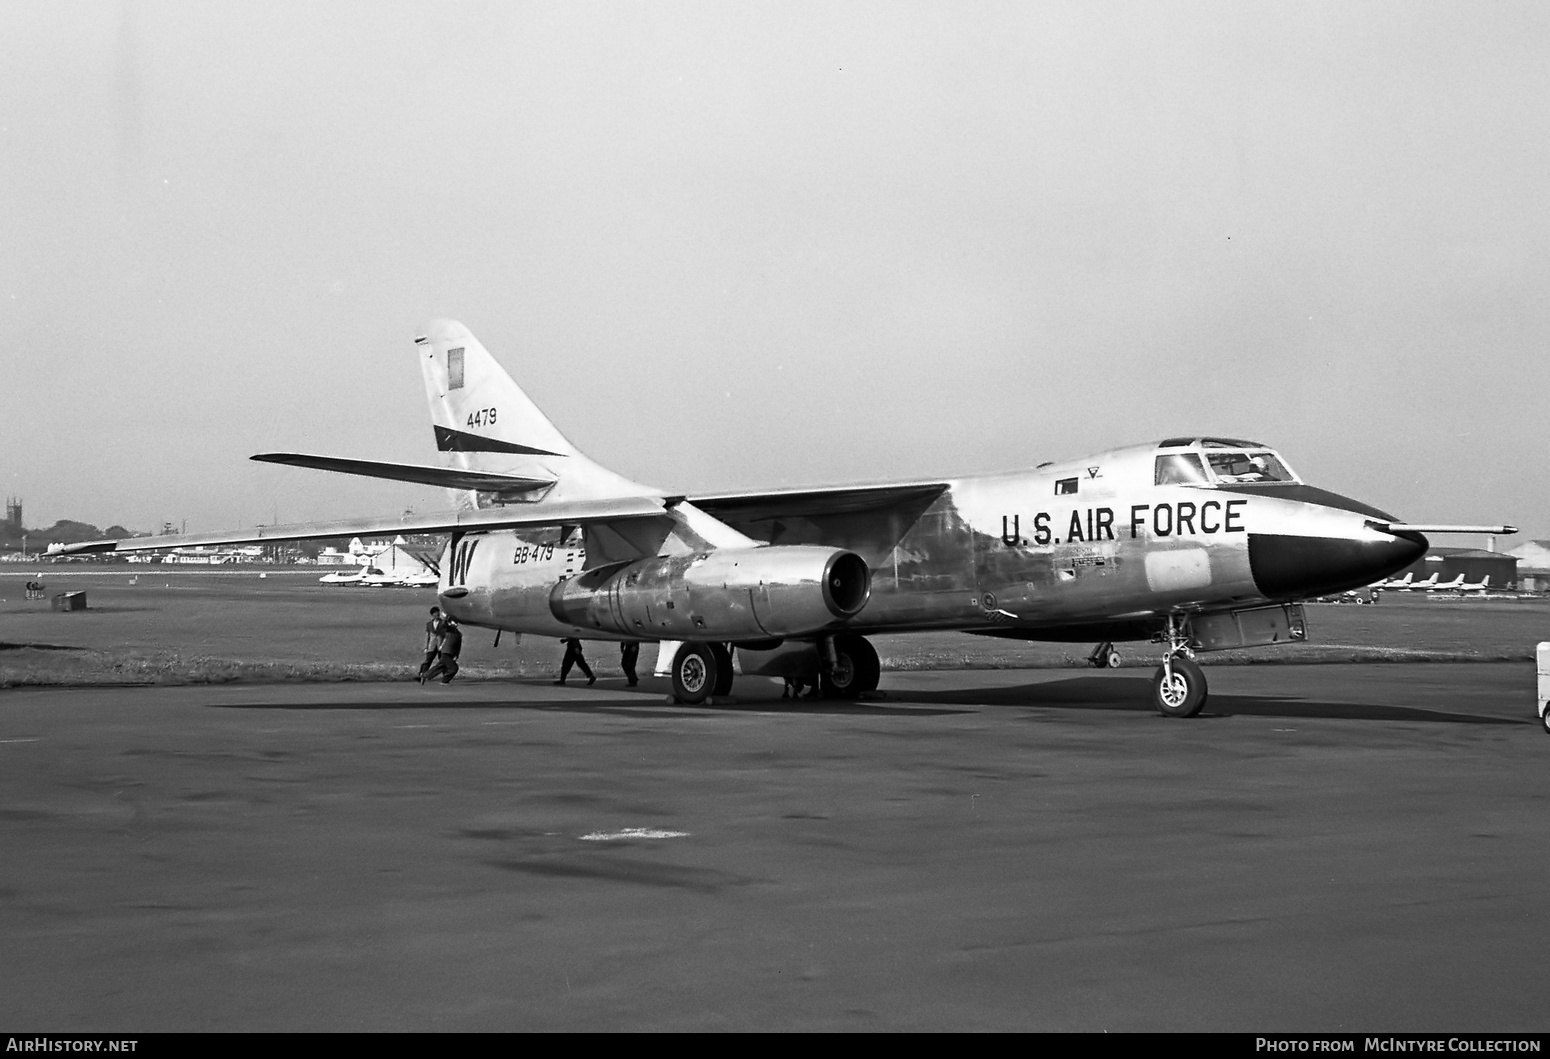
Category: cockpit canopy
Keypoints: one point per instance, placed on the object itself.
(1220, 461)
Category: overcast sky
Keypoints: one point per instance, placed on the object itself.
(773, 244)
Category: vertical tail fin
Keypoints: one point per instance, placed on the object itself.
(483, 421)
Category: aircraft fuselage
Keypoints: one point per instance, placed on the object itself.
(1090, 549)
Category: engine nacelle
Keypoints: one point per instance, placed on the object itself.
(728, 594)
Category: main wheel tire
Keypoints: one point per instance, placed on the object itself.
(856, 669)
(694, 673)
(1113, 662)
(1544, 718)
(868, 666)
(724, 674)
(1184, 693)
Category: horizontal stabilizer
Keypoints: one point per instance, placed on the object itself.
(579, 513)
(446, 477)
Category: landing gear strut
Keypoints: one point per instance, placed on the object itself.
(1179, 685)
(849, 667)
(1104, 656)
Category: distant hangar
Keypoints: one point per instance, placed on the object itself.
(1473, 563)
(1533, 565)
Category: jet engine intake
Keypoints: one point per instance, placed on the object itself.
(727, 594)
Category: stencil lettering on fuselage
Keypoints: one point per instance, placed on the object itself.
(1186, 518)
(462, 559)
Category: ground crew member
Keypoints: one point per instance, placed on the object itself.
(446, 655)
(629, 651)
(573, 657)
(432, 642)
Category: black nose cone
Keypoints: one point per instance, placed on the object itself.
(1297, 567)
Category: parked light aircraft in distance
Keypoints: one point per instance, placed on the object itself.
(1199, 543)
(1448, 586)
(1422, 586)
(1481, 585)
(392, 565)
(1397, 584)
(356, 576)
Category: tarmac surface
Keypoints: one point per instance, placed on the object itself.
(1328, 848)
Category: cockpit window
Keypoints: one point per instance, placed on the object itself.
(1180, 468)
(1248, 467)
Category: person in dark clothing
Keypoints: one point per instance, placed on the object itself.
(573, 657)
(432, 642)
(446, 654)
(629, 651)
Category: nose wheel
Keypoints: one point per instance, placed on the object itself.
(1179, 685)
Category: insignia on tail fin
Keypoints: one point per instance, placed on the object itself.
(484, 422)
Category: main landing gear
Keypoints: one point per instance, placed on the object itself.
(850, 667)
(1104, 656)
(1179, 685)
(847, 668)
(701, 670)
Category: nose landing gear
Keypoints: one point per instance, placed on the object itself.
(1179, 685)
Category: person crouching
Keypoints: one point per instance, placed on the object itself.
(446, 655)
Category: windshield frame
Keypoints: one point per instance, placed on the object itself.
(1216, 457)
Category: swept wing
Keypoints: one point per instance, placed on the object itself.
(577, 513)
(870, 518)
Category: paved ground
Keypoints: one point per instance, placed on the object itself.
(1329, 848)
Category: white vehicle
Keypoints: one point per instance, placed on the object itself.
(1542, 660)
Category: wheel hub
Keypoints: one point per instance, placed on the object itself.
(692, 674)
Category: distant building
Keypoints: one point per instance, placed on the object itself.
(1533, 565)
(1473, 563)
(1532, 555)
(13, 514)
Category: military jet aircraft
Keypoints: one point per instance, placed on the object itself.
(1199, 543)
